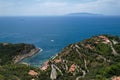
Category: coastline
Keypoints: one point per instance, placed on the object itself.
(18, 58)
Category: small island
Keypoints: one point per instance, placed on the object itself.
(85, 14)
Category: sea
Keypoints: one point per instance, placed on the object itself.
(53, 33)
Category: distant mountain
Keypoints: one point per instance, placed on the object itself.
(84, 14)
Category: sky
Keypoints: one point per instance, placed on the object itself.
(58, 7)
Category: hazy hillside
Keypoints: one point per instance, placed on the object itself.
(84, 14)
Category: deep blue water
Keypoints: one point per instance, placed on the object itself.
(63, 30)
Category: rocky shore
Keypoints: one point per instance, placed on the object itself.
(20, 57)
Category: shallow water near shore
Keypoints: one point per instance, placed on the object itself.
(52, 34)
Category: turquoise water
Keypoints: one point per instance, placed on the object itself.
(54, 33)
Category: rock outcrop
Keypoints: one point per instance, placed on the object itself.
(16, 52)
(20, 57)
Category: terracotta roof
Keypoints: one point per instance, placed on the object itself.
(32, 73)
(58, 60)
(72, 68)
(45, 66)
(116, 78)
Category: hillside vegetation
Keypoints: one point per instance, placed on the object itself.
(96, 58)
(9, 54)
